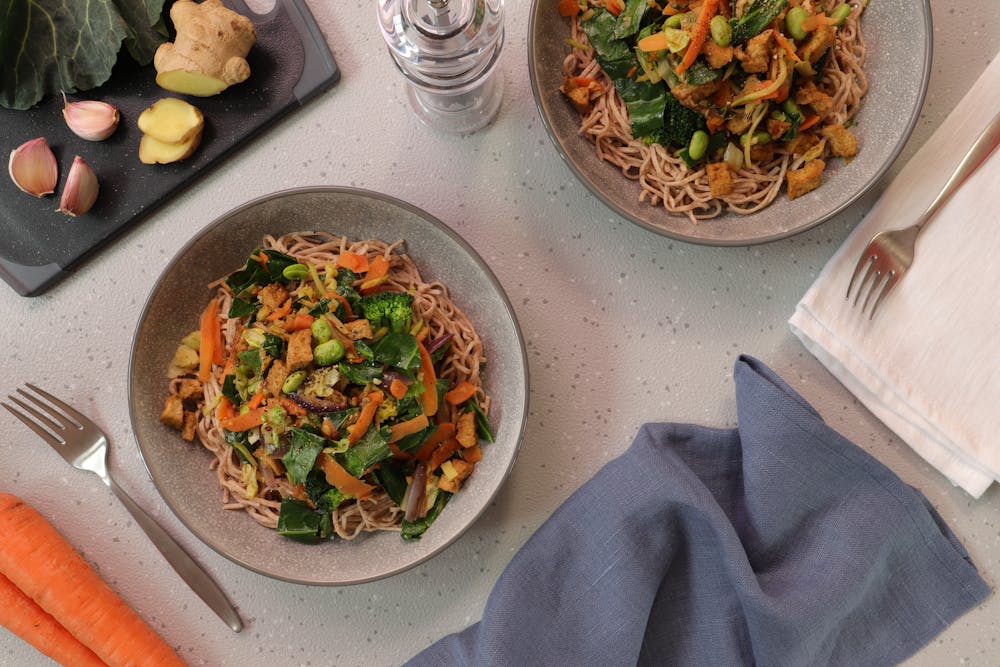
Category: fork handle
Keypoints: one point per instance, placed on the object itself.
(985, 143)
(191, 572)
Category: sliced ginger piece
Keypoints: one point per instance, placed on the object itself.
(209, 53)
(171, 120)
(154, 151)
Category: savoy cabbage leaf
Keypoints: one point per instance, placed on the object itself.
(47, 46)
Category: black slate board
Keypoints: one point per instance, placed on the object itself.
(289, 64)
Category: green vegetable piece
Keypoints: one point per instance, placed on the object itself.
(242, 308)
(293, 381)
(673, 21)
(698, 145)
(388, 309)
(759, 137)
(372, 448)
(629, 21)
(399, 350)
(273, 345)
(755, 19)
(680, 123)
(412, 530)
(321, 330)
(722, 31)
(251, 359)
(303, 449)
(392, 479)
(238, 441)
(360, 374)
(483, 428)
(840, 14)
(254, 272)
(295, 272)
(297, 521)
(793, 23)
(328, 353)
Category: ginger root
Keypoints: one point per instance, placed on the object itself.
(209, 53)
(171, 131)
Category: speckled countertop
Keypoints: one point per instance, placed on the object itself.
(631, 327)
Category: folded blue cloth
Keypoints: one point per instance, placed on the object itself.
(778, 542)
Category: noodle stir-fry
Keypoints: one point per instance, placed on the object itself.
(714, 105)
(338, 391)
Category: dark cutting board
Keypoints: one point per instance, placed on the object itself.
(289, 64)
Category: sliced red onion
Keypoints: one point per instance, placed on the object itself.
(438, 342)
(418, 493)
(391, 374)
(314, 404)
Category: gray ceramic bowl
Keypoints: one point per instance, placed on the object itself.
(899, 38)
(180, 469)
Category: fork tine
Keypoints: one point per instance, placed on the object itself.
(27, 421)
(890, 281)
(864, 281)
(876, 284)
(81, 421)
(47, 419)
(865, 259)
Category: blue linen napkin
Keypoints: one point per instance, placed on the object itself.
(778, 542)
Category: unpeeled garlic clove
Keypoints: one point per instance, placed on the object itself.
(33, 167)
(92, 120)
(81, 189)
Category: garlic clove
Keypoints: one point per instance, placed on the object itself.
(81, 189)
(33, 167)
(92, 120)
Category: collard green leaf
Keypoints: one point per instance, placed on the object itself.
(47, 46)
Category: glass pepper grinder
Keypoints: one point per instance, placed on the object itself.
(448, 51)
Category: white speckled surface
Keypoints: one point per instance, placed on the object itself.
(622, 326)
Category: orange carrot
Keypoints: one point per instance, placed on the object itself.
(473, 454)
(262, 258)
(809, 121)
(398, 453)
(256, 400)
(429, 399)
(368, 407)
(353, 261)
(43, 565)
(655, 42)
(281, 311)
(378, 273)
(582, 81)
(210, 338)
(788, 47)
(442, 433)
(462, 392)
(616, 7)
(293, 408)
(409, 427)
(20, 615)
(226, 410)
(341, 299)
(569, 7)
(244, 421)
(811, 23)
(299, 322)
(699, 31)
(340, 478)
(443, 453)
(397, 388)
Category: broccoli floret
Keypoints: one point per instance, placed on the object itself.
(679, 123)
(388, 309)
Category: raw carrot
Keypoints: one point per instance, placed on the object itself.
(20, 615)
(429, 399)
(814, 22)
(341, 299)
(38, 561)
(655, 42)
(616, 7)
(397, 388)
(293, 408)
(409, 427)
(353, 261)
(299, 322)
(786, 45)
(344, 481)
(244, 421)
(442, 433)
(462, 392)
(809, 121)
(378, 273)
(226, 410)
(699, 31)
(443, 453)
(569, 7)
(210, 340)
(256, 400)
(368, 407)
(281, 311)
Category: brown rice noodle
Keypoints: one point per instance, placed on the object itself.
(664, 178)
(431, 303)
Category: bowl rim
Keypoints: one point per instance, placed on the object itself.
(914, 116)
(441, 227)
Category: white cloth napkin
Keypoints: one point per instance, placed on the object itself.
(928, 365)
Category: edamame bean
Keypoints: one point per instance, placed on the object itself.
(722, 31)
(673, 21)
(840, 13)
(293, 382)
(698, 145)
(793, 22)
(328, 353)
(295, 272)
(791, 108)
(759, 137)
(321, 330)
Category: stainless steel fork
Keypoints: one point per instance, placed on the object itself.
(82, 443)
(890, 253)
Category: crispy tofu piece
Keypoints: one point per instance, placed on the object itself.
(802, 143)
(762, 152)
(716, 56)
(738, 124)
(189, 389)
(776, 127)
(190, 426)
(454, 472)
(173, 412)
(299, 354)
(579, 98)
(273, 295)
(720, 179)
(842, 142)
(808, 93)
(806, 179)
(358, 329)
(755, 55)
(690, 95)
(276, 377)
(819, 41)
(465, 432)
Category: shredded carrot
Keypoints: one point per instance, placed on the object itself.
(714, 123)
(210, 338)
(811, 23)
(631, 71)
(262, 258)
(244, 421)
(429, 399)
(281, 311)
(409, 427)
(462, 392)
(398, 453)
(40, 563)
(397, 388)
(344, 481)
(369, 404)
(473, 454)
(353, 261)
(256, 400)
(699, 32)
(786, 45)
(569, 7)
(615, 7)
(809, 121)
(378, 273)
(442, 433)
(226, 410)
(299, 322)
(293, 408)
(341, 299)
(443, 453)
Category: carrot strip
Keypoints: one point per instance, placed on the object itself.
(352, 261)
(397, 388)
(42, 564)
(473, 454)
(409, 427)
(462, 392)
(442, 433)
(569, 7)
(226, 409)
(245, 421)
(398, 453)
(378, 273)
(699, 32)
(292, 408)
(443, 453)
(809, 121)
(299, 322)
(20, 615)
(655, 42)
(344, 481)
(814, 22)
(429, 399)
(788, 47)
(614, 6)
(281, 311)
(256, 400)
(368, 407)
(341, 299)
(210, 335)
